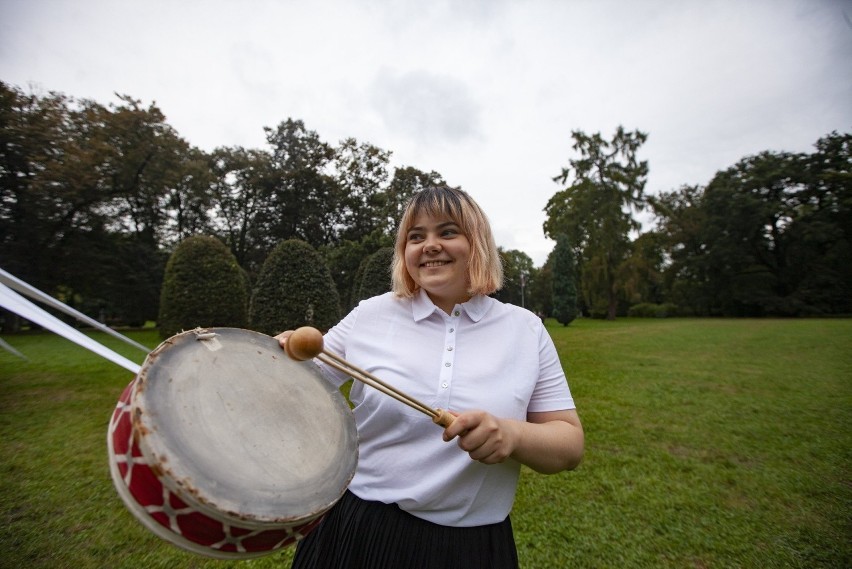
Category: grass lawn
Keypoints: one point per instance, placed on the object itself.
(710, 443)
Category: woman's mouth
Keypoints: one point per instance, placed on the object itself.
(433, 264)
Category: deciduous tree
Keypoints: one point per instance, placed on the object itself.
(304, 197)
(518, 272)
(240, 193)
(605, 185)
(361, 173)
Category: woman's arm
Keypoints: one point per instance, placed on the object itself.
(548, 442)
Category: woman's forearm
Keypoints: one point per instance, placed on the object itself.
(550, 445)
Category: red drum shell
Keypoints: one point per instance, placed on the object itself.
(227, 448)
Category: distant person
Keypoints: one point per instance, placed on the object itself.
(416, 501)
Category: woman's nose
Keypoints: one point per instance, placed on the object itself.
(431, 244)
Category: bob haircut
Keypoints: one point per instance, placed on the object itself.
(485, 267)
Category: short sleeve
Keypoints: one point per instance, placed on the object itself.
(335, 341)
(551, 392)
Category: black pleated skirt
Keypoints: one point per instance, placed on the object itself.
(357, 534)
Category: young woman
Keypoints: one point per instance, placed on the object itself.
(419, 500)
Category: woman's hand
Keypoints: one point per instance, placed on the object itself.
(282, 338)
(483, 436)
(547, 442)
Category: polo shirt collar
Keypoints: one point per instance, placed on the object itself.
(422, 306)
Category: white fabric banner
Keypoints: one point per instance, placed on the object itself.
(11, 300)
(17, 284)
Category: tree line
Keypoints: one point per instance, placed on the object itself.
(768, 236)
(94, 199)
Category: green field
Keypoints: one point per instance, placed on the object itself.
(710, 443)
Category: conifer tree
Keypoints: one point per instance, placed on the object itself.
(564, 282)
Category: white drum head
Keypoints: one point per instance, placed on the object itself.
(236, 426)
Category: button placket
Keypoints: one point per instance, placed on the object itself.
(447, 362)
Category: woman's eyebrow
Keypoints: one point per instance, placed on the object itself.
(441, 225)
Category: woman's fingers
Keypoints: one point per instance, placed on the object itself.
(483, 436)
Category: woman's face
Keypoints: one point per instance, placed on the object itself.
(436, 257)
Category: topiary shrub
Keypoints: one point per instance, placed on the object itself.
(202, 286)
(294, 288)
(376, 276)
(355, 290)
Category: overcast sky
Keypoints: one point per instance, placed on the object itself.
(485, 92)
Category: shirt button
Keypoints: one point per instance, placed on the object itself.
(448, 364)
(444, 385)
(456, 313)
(449, 348)
(452, 330)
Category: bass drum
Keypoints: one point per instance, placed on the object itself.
(226, 447)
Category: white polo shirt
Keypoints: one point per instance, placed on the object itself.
(485, 355)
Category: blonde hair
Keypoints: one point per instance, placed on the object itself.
(485, 268)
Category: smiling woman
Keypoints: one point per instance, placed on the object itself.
(439, 337)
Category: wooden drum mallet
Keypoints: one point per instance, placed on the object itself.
(306, 343)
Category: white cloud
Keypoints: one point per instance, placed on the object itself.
(425, 107)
